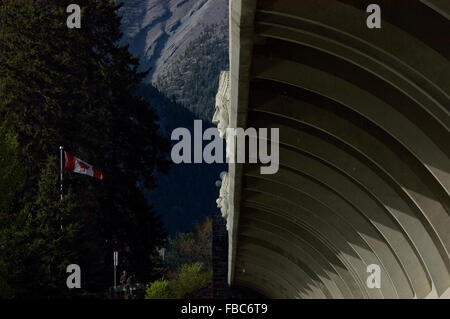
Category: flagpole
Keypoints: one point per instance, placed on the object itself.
(61, 148)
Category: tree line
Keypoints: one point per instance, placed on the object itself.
(76, 88)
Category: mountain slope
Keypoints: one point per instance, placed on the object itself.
(160, 30)
(187, 194)
(185, 42)
(193, 77)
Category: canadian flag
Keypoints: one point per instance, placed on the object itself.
(76, 165)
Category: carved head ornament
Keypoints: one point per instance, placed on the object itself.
(223, 200)
(222, 114)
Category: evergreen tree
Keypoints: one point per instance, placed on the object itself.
(11, 171)
(195, 246)
(75, 87)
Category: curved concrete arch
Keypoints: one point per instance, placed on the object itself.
(341, 45)
(258, 285)
(305, 238)
(259, 282)
(266, 284)
(387, 253)
(320, 121)
(364, 168)
(439, 119)
(292, 273)
(256, 266)
(441, 7)
(365, 104)
(370, 249)
(346, 21)
(353, 250)
(307, 276)
(391, 161)
(380, 188)
(259, 238)
(395, 233)
(258, 230)
(419, 191)
(320, 116)
(427, 248)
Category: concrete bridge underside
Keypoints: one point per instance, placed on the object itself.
(364, 174)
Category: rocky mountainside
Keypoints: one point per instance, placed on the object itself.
(160, 30)
(185, 42)
(192, 78)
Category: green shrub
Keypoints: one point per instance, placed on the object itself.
(192, 247)
(190, 279)
(160, 289)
